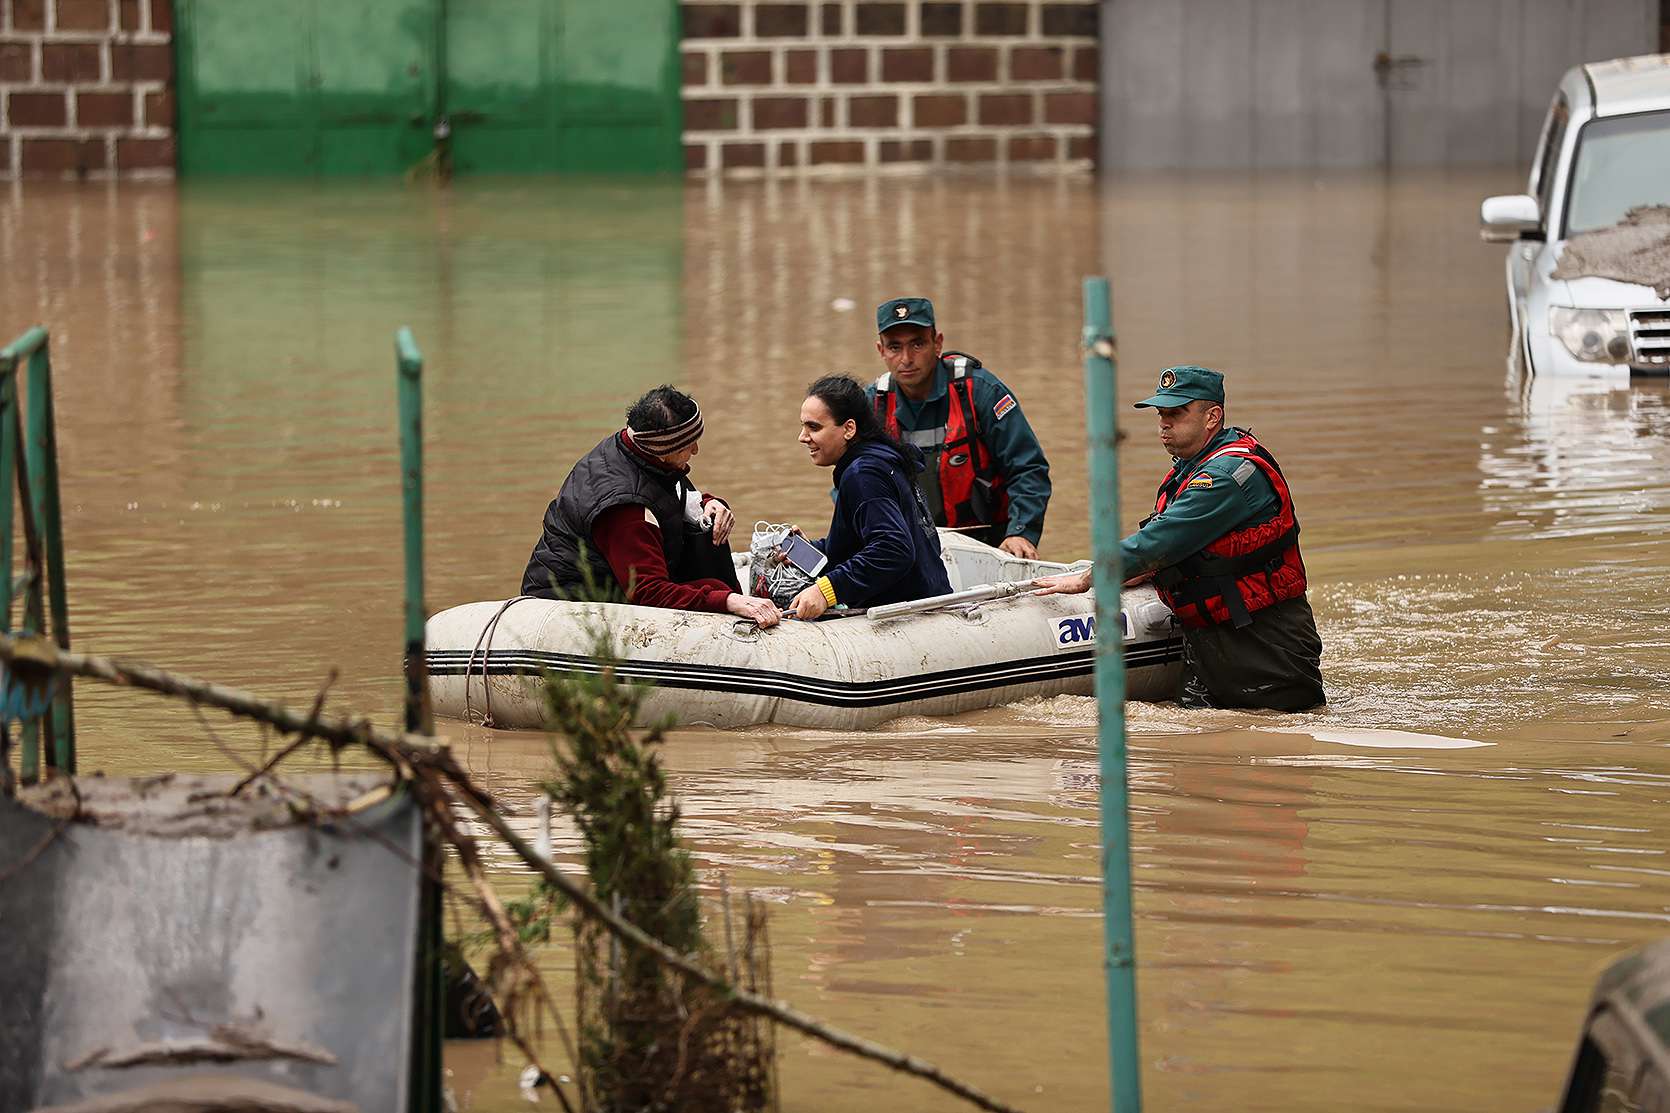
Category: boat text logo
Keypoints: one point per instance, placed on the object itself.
(1078, 630)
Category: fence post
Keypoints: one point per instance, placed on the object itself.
(41, 449)
(1119, 954)
(410, 363)
(431, 977)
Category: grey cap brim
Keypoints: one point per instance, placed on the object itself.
(891, 325)
(1168, 400)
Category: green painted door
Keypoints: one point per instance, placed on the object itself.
(321, 87)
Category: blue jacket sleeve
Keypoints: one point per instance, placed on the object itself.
(1020, 458)
(882, 560)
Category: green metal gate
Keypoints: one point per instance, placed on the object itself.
(322, 87)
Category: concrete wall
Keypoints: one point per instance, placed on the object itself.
(860, 85)
(86, 88)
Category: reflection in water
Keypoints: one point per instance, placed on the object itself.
(1331, 902)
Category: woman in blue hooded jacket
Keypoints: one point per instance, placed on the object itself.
(882, 546)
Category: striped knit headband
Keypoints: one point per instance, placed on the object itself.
(665, 442)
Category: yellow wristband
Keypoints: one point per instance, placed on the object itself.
(828, 590)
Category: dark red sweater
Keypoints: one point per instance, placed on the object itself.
(630, 541)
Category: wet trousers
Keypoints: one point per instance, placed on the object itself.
(1276, 663)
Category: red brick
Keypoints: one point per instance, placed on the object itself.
(780, 21)
(1037, 63)
(881, 19)
(911, 63)
(62, 156)
(971, 63)
(145, 154)
(710, 114)
(28, 15)
(1077, 20)
(17, 62)
(1069, 108)
(162, 16)
(83, 15)
(971, 148)
(826, 112)
(742, 154)
(712, 21)
(1082, 146)
(37, 110)
(104, 110)
(127, 15)
(694, 65)
(1006, 108)
(70, 62)
(1000, 19)
(850, 66)
(800, 66)
(745, 67)
(695, 156)
(939, 110)
(1031, 148)
(873, 112)
(159, 109)
(837, 150)
(141, 62)
(788, 154)
(780, 112)
(914, 150)
(942, 20)
(1087, 64)
(832, 19)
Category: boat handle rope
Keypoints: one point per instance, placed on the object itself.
(487, 633)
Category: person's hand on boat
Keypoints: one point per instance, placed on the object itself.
(808, 605)
(723, 520)
(762, 612)
(1068, 583)
(1019, 546)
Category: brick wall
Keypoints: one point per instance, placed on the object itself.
(86, 88)
(842, 85)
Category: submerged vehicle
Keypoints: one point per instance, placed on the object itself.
(1623, 1057)
(1588, 274)
(991, 642)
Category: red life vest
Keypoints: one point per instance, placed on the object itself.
(1246, 569)
(971, 491)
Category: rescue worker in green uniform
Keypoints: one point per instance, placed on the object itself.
(986, 473)
(1222, 548)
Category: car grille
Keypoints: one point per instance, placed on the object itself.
(1649, 333)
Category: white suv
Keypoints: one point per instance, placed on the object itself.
(1604, 150)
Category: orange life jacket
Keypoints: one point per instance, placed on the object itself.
(1246, 569)
(971, 491)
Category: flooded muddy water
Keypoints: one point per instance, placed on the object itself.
(1399, 902)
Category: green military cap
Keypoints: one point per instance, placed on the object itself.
(904, 311)
(1181, 385)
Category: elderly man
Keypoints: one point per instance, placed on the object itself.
(1222, 548)
(986, 472)
(628, 518)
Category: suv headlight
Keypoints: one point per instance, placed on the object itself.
(1592, 335)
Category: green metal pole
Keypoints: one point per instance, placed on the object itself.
(427, 1048)
(410, 362)
(1119, 950)
(41, 448)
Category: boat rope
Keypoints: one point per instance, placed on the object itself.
(487, 633)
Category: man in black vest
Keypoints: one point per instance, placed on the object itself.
(628, 518)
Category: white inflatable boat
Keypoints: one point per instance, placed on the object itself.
(486, 660)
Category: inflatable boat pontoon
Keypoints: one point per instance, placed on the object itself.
(486, 660)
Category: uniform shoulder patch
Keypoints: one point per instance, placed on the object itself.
(1244, 472)
(1004, 405)
(1200, 480)
(651, 519)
